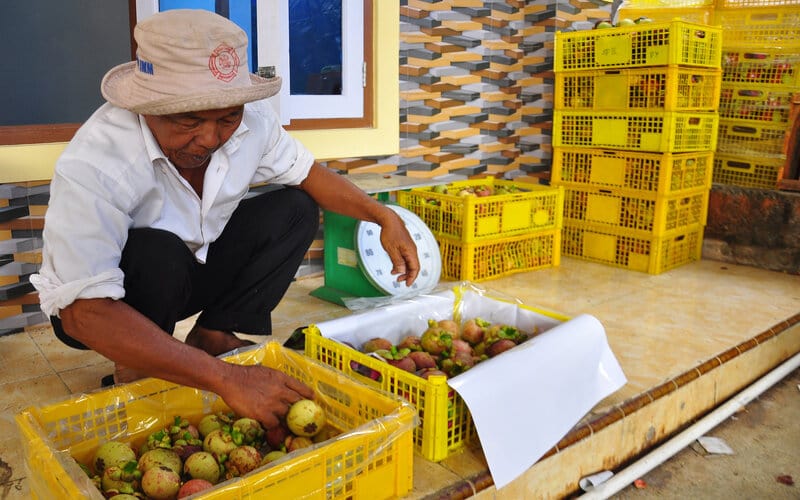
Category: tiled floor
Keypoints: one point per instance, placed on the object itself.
(684, 339)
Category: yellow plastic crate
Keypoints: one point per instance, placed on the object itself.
(480, 218)
(755, 102)
(668, 131)
(485, 260)
(376, 461)
(699, 14)
(748, 171)
(761, 66)
(777, 26)
(650, 44)
(728, 4)
(751, 138)
(662, 173)
(660, 88)
(445, 424)
(668, 4)
(619, 248)
(642, 215)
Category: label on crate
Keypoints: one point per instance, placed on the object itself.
(612, 50)
(657, 55)
(516, 215)
(600, 246)
(614, 132)
(601, 208)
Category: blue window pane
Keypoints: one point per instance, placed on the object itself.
(315, 46)
(241, 12)
(186, 4)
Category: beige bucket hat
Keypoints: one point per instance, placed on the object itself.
(186, 60)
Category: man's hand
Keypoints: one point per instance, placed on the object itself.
(262, 393)
(334, 192)
(400, 248)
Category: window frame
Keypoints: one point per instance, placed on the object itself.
(28, 152)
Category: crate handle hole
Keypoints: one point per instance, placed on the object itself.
(743, 129)
(738, 164)
(751, 93)
(366, 371)
(700, 34)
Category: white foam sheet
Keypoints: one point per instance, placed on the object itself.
(526, 400)
(523, 401)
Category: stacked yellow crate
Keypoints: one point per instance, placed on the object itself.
(634, 131)
(693, 11)
(488, 228)
(761, 71)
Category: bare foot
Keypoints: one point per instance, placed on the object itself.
(214, 342)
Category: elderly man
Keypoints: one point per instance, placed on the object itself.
(149, 220)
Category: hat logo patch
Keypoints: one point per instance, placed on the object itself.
(144, 66)
(224, 63)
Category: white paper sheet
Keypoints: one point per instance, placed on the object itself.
(524, 403)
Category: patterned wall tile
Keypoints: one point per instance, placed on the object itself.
(476, 94)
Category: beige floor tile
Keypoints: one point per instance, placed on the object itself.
(86, 378)
(21, 359)
(33, 391)
(658, 326)
(17, 396)
(13, 484)
(60, 356)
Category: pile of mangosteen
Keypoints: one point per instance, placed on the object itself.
(185, 458)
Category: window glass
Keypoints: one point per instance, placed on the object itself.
(315, 47)
(242, 12)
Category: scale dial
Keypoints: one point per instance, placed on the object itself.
(377, 267)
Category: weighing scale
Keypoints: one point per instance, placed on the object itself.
(356, 265)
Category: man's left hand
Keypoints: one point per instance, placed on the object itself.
(400, 248)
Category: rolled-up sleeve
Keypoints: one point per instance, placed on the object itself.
(86, 227)
(285, 160)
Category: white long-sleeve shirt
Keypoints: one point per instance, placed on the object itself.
(113, 176)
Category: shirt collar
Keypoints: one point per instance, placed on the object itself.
(150, 144)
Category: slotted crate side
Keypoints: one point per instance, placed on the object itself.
(669, 4)
(699, 14)
(650, 44)
(748, 171)
(754, 102)
(619, 248)
(375, 460)
(729, 4)
(661, 88)
(639, 131)
(777, 26)
(761, 66)
(750, 138)
(664, 173)
(471, 218)
(644, 215)
(445, 423)
(481, 261)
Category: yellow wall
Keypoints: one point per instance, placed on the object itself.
(36, 161)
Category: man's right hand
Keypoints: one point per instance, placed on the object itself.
(262, 393)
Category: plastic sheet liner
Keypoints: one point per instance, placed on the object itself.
(523, 401)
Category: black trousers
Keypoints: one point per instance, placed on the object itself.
(247, 271)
